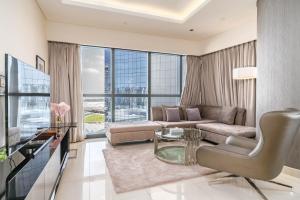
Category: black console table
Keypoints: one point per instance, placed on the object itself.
(38, 175)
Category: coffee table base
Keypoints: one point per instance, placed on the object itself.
(171, 154)
(183, 152)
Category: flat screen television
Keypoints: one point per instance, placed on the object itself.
(27, 102)
(2, 115)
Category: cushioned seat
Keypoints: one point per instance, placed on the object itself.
(118, 133)
(233, 149)
(133, 127)
(228, 130)
(184, 124)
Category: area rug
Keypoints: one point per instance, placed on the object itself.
(133, 167)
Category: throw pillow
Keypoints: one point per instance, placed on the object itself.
(193, 114)
(173, 115)
(227, 115)
(164, 113)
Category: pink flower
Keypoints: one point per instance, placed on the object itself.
(60, 109)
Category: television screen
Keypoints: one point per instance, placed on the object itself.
(28, 102)
(2, 120)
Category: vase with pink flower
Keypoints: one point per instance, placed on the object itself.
(59, 110)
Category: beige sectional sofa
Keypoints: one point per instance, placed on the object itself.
(214, 129)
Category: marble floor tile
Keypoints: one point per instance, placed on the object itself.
(87, 178)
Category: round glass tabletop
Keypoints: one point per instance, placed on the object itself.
(177, 145)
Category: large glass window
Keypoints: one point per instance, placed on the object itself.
(131, 72)
(131, 79)
(131, 109)
(121, 85)
(165, 74)
(96, 86)
(165, 79)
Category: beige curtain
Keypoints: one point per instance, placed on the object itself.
(64, 67)
(191, 94)
(214, 77)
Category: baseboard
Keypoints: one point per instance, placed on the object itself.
(291, 171)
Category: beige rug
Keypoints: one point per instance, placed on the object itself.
(133, 167)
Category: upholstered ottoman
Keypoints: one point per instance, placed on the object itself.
(118, 133)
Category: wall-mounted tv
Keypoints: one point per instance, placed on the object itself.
(27, 107)
(2, 114)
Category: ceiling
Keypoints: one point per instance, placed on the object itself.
(169, 18)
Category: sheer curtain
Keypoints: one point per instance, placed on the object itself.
(64, 67)
(209, 77)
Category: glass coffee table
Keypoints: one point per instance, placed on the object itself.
(177, 145)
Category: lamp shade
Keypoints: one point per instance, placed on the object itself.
(243, 73)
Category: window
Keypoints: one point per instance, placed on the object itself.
(96, 86)
(131, 72)
(122, 85)
(131, 109)
(165, 74)
(165, 79)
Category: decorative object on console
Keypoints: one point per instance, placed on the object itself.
(243, 73)
(40, 63)
(59, 110)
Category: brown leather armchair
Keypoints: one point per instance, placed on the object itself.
(247, 158)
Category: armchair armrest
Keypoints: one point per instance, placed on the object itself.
(241, 142)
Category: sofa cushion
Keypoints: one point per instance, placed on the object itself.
(228, 130)
(164, 113)
(227, 115)
(184, 124)
(156, 113)
(173, 114)
(193, 114)
(133, 127)
(210, 112)
(240, 117)
(184, 107)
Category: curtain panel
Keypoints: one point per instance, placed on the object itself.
(209, 78)
(65, 74)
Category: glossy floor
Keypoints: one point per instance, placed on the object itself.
(87, 178)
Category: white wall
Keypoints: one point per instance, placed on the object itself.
(237, 35)
(117, 39)
(23, 31)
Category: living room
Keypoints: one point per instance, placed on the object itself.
(149, 99)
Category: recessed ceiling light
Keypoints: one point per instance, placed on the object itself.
(142, 10)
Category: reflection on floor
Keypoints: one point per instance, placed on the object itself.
(87, 178)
